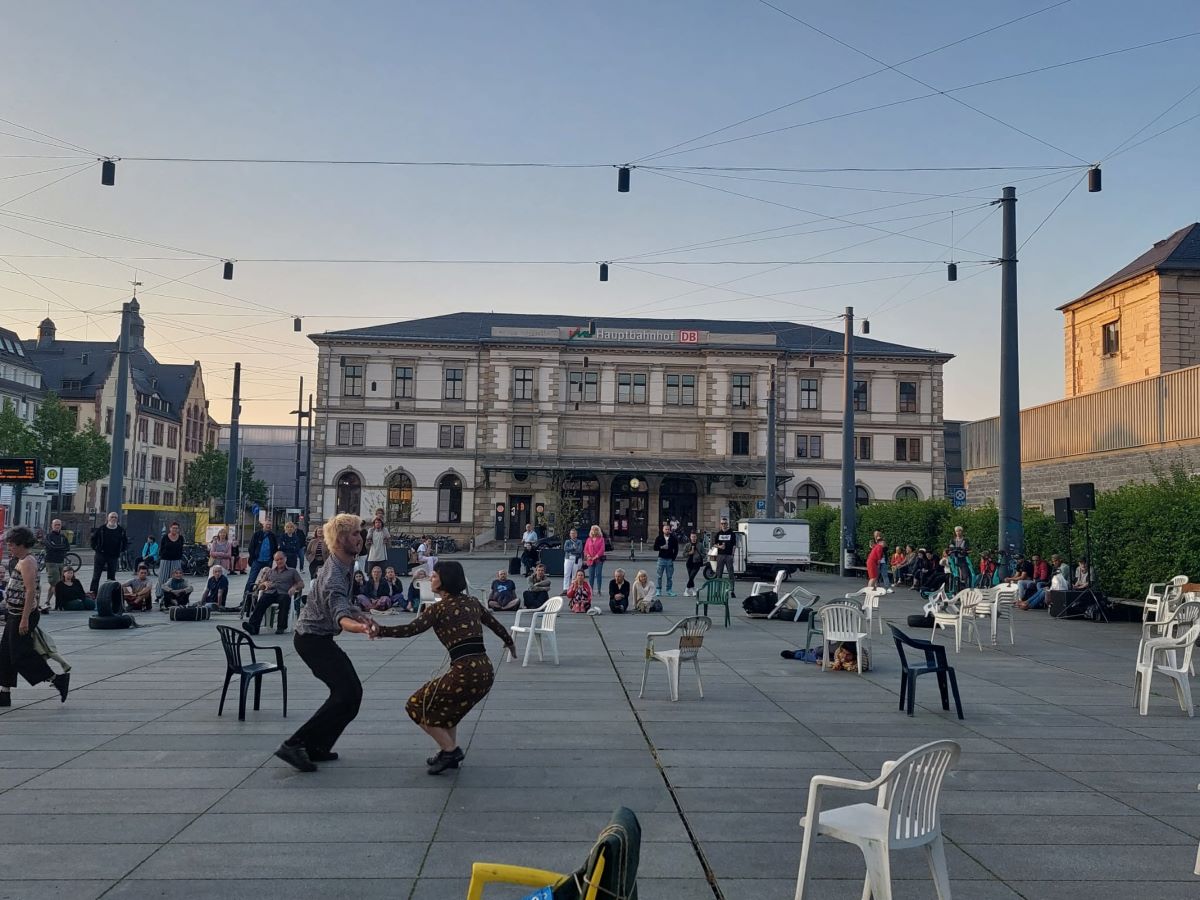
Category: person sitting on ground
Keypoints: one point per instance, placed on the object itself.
(643, 594)
(896, 561)
(67, 590)
(414, 589)
(176, 591)
(216, 589)
(374, 599)
(1059, 581)
(618, 592)
(1041, 571)
(503, 595)
(391, 591)
(139, 590)
(1083, 576)
(360, 590)
(920, 568)
(278, 585)
(907, 565)
(539, 588)
(579, 594)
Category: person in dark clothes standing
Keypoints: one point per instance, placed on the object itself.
(57, 545)
(666, 545)
(726, 541)
(109, 541)
(170, 556)
(262, 550)
(329, 611)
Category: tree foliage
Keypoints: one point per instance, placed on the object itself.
(54, 440)
(206, 476)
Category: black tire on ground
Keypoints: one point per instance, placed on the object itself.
(110, 623)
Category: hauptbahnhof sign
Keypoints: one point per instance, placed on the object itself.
(657, 336)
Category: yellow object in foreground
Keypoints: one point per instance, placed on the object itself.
(488, 873)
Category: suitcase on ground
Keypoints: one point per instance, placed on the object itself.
(190, 613)
(514, 566)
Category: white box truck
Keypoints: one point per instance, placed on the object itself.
(764, 546)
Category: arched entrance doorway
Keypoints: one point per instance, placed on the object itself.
(584, 491)
(630, 507)
(677, 502)
(349, 494)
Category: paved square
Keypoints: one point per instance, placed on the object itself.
(136, 789)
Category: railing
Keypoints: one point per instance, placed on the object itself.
(1157, 410)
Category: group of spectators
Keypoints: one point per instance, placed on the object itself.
(641, 594)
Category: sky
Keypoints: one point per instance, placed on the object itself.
(583, 84)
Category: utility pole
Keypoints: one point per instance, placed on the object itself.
(116, 463)
(771, 448)
(849, 510)
(308, 467)
(298, 412)
(1012, 533)
(231, 477)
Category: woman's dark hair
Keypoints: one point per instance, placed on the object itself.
(359, 576)
(453, 578)
(21, 536)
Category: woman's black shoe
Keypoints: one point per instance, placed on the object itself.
(296, 757)
(444, 761)
(63, 682)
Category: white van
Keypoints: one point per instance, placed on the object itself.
(764, 546)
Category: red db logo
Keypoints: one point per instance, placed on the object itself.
(689, 337)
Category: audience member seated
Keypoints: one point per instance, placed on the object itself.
(1023, 577)
(176, 591)
(936, 573)
(503, 595)
(414, 589)
(643, 594)
(1083, 576)
(539, 588)
(1041, 570)
(579, 594)
(216, 590)
(139, 590)
(1037, 600)
(69, 590)
(149, 555)
(278, 585)
(375, 597)
(391, 592)
(359, 590)
(618, 592)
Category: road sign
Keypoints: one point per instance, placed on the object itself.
(51, 478)
(23, 469)
(760, 504)
(70, 480)
(959, 497)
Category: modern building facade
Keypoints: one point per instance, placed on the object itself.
(449, 422)
(167, 422)
(272, 448)
(1132, 352)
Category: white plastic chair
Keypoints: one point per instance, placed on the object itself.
(959, 613)
(690, 641)
(1153, 607)
(998, 603)
(799, 597)
(870, 603)
(840, 622)
(540, 628)
(760, 587)
(1161, 654)
(904, 815)
(1182, 616)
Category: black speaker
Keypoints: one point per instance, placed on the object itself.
(1063, 513)
(1083, 496)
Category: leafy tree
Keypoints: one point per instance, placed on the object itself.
(254, 490)
(16, 437)
(60, 444)
(205, 480)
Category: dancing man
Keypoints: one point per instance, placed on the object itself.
(330, 610)
(457, 620)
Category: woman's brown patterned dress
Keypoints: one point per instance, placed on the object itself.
(458, 623)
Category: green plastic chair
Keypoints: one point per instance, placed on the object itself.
(814, 625)
(716, 593)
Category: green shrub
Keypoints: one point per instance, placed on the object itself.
(819, 519)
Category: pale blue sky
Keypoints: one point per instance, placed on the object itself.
(580, 82)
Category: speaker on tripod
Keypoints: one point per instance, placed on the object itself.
(1088, 602)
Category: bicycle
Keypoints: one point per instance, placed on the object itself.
(72, 559)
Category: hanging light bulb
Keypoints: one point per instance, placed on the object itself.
(866, 326)
(1094, 180)
(227, 274)
(296, 323)
(108, 172)
(952, 271)
(623, 180)
(604, 271)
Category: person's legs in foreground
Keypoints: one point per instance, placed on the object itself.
(330, 664)
(19, 657)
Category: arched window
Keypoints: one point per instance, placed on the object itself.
(449, 499)
(861, 497)
(907, 493)
(399, 499)
(349, 493)
(808, 496)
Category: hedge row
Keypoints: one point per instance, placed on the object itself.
(1141, 533)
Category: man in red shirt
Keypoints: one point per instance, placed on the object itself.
(875, 560)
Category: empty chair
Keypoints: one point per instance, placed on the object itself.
(793, 604)
(904, 815)
(760, 587)
(1181, 617)
(716, 593)
(1170, 655)
(997, 603)
(542, 622)
(958, 613)
(609, 873)
(870, 603)
(691, 638)
(935, 662)
(1157, 593)
(232, 641)
(843, 622)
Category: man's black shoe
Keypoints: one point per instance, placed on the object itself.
(322, 755)
(63, 682)
(296, 756)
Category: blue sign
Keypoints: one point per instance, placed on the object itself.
(255, 510)
(760, 504)
(959, 498)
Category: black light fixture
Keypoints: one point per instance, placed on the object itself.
(1094, 180)
(952, 271)
(623, 180)
(604, 271)
(296, 323)
(108, 172)
(866, 326)
(227, 274)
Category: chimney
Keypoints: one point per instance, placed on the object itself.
(45, 335)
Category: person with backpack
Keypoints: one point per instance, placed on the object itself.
(109, 541)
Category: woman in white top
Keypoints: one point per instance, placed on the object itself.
(643, 593)
(378, 539)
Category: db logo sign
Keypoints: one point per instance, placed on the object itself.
(689, 337)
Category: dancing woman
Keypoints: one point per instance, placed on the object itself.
(457, 620)
(18, 653)
(330, 609)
